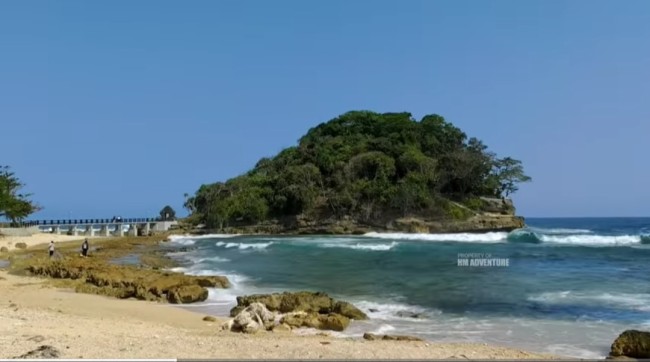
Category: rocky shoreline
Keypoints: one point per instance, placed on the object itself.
(150, 280)
(298, 225)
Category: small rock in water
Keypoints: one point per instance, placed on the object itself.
(407, 314)
(373, 310)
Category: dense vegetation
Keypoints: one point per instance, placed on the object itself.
(364, 165)
(14, 206)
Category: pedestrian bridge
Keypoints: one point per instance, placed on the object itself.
(103, 227)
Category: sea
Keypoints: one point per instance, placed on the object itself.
(566, 286)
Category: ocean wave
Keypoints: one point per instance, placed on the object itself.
(191, 239)
(580, 237)
(561, 231)
(592, 239)
(360, 246)
(395, 311)
(216, 259)
(490, 237)
(524, 236)
(244, 246)
(184, 241)
(529, 236)
(638, 302)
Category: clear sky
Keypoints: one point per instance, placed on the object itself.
(119, 107)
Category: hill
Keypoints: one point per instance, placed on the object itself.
(367, 171)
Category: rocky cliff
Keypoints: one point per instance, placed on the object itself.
(495, 215)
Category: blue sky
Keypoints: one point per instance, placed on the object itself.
(119, 107)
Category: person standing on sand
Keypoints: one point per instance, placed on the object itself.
(51, 248)
(84, 248)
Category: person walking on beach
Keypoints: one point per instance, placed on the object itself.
(51, 248)
(84, 248)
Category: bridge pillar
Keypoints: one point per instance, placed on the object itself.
(119, 231)
(147, 229)
(73, 228)
(104, 231)
(56, 229)
(89, 230)
(133, 229)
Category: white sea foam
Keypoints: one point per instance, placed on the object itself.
(573, 351)
(244, 246)
(559, 231)
(391, 310)
(490, 237)
(177, 238)
(639, 302)
(216, 259)
(383, 329)
(361, 246)
(184, 241)
(594, 240)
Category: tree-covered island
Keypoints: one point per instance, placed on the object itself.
(367, 171)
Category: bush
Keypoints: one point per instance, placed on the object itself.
(475, 203)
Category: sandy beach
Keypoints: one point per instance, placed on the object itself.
(33, 314)
(37, 239)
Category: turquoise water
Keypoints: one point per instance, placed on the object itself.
(570, 285)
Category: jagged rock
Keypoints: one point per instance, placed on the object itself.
(21, 246)
(4, 249)
(389, 337)
(300, 302)
(251, 319)
(209, 318)
(44, 351)
(125, 281)
(213, 282)
(331, 321)
(187, 294)
(349, 310)
(407, 314)
(631, 343)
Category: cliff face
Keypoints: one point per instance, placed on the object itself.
(496, 215)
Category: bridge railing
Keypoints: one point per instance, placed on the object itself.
(111, 221)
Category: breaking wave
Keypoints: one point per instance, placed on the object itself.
(361, 246)
(244, 246)
(638, 302)
(491, 237)
(528, 236)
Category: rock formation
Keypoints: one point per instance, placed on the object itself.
(251, 319)
(330, 321)
(124, 281)
(304, 309)
(631, 344)
(300, 302)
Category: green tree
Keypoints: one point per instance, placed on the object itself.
(363, 165)
(508, 173)
(14, 205)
